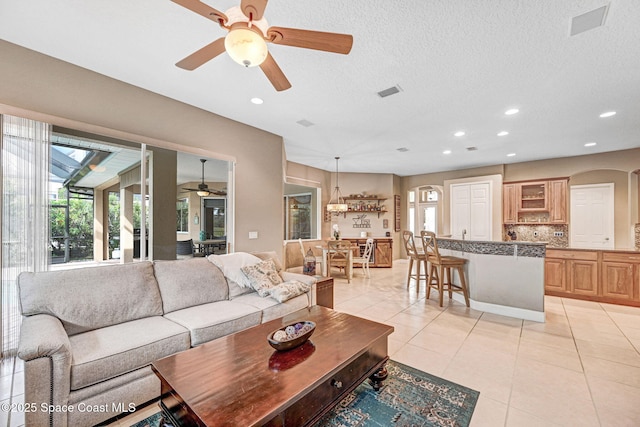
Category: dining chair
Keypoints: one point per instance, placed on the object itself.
(304, 255)
(419, 257)
(339, 255)
(440, 276)
(365, 258)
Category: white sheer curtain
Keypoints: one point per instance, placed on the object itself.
(25, 219)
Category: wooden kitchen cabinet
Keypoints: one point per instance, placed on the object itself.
(555, 275)
(621, 275)
(509, 204)
(606, 276)
(533, 196)
(558, 201)
(541, 202)
(583, 277)
(575, 272)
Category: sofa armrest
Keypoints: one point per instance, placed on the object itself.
(45, 348)
(287, 275)
(42, 335)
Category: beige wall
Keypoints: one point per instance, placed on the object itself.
(43, 88)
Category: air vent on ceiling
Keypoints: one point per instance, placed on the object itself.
(402, 149)
(589, 21)
(472, 148)
(304, 122)
(390, 91)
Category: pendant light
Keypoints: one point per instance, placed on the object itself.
(336, 203)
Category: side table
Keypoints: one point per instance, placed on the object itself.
(324, 291)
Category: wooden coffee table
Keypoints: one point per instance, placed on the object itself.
(239, 380)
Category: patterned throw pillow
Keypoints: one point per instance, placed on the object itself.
(263, 276)
(287, 290)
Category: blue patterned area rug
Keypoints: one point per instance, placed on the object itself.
(408, 397)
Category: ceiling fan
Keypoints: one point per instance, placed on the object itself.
(203, 189)
(248, 35)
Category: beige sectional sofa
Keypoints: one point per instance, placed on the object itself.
(89, 335)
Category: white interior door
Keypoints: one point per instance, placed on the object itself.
(592, 216)
(460, 211)
(480, 204)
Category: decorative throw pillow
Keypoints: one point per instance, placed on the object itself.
(287, 290)
(231, 266)
(263, 276)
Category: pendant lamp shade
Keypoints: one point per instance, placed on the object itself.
(336, 202)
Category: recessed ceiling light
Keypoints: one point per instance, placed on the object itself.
(608, 114)
(503, 133)
(511, 111)
(446, 152)
(459, 133)
(511, 154)
(590, 144)
(257, 101)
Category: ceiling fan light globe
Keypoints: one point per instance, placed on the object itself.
(202, 193)
(246, 47)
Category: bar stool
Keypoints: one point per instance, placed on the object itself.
(441, 266)
(415, 255)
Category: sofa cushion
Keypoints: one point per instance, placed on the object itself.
(272, 309)
(231, 265)
(93, 297)
(269, 255)
(287, 290)
(189, 282)
(210, 321)
(105, 353)
(262, 276)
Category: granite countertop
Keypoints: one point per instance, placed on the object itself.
(509, 242)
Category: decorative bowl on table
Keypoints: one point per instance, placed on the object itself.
(291, 336)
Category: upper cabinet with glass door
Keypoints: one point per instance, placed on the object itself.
(542, 202)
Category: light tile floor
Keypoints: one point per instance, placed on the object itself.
(579, 368)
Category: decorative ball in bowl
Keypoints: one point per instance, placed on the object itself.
(291, 336)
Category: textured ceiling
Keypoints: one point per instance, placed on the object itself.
(460, 65)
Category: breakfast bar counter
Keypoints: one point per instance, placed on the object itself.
(505, 278)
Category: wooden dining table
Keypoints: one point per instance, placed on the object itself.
(325, 258)
(207, 246)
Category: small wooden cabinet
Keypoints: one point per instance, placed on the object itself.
(542, 202)
(606, 276)
(382, 250)
(383, 255)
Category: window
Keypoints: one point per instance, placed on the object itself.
(298, 220)
(182, 216)
(302, 212)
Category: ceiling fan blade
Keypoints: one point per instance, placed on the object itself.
(253, 9)
(203, 55)
(318, 40)
(203, 10)
(275, 74)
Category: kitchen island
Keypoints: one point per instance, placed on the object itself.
(505, 278)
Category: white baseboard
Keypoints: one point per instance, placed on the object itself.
(502, 310)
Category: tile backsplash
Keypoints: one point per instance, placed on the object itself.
(637, 234)
(556, 235)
